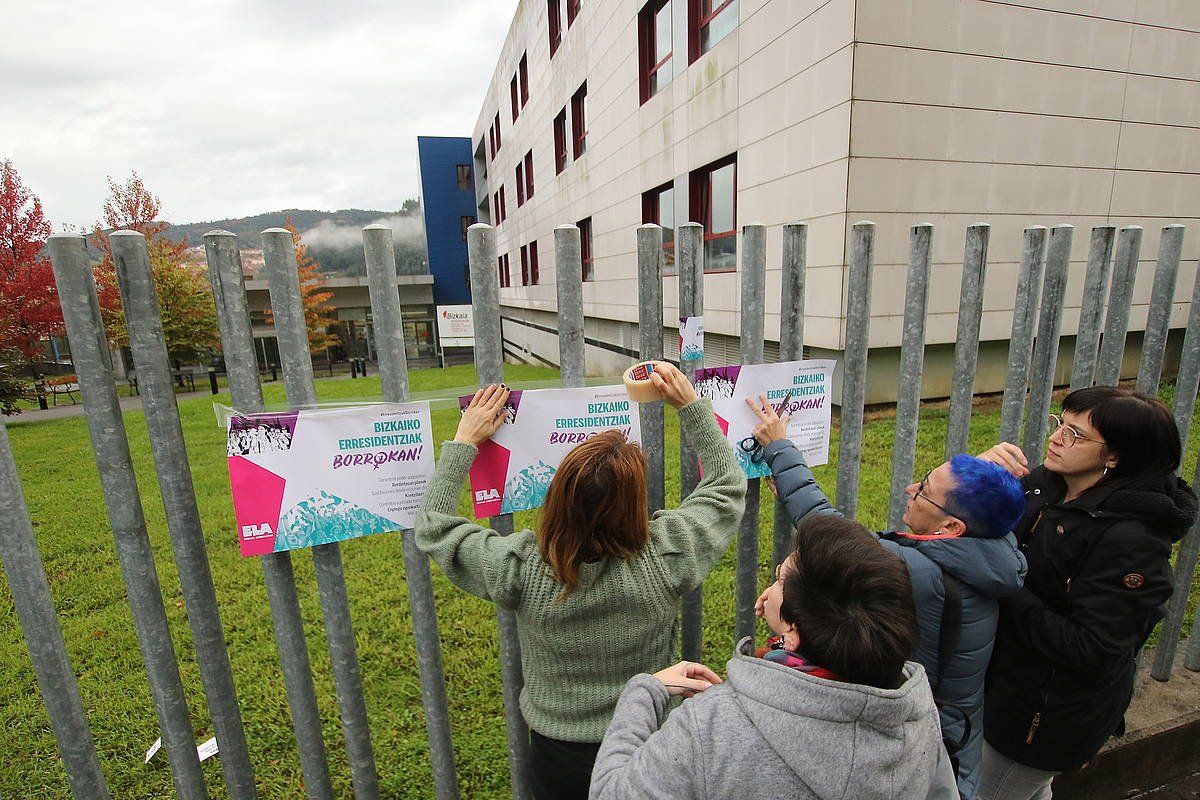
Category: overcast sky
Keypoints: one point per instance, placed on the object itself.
(228, 108)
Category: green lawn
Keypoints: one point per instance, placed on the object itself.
(62, 489)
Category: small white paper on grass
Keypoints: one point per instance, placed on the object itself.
(206, 750)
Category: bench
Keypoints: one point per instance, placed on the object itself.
(66, 385)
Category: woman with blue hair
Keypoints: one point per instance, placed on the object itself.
(961, 559)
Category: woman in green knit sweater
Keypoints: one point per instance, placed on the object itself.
(596, 589)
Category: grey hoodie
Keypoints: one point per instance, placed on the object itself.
(771, 731)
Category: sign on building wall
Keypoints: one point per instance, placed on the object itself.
(513, 469)
(304, 478)
(456, 326)
(798, 389)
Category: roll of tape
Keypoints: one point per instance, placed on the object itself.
(637, 382)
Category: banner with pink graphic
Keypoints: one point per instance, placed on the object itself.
(513, 469)
(799, 389)
(304, 478)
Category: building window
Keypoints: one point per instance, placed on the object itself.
(503, 206)
(658, 206)
(523, 72)
(709, 21)
(520, 184)
(533, 263)
(529, 175)
(464, 223)
(492, 142)
(524, 265)
(579, 120)
(512, 95)
(496, 207)
(463, 174)
(573, 9)
(714, 205)
(498, 142)
(585, 248)
(560, 141)
(503, 271)
(554, 15)
(654, 47)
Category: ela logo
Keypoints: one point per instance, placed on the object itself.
(487, 494)
(257, 531)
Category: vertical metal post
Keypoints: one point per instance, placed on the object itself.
(245, 390)
(1186, 384)
(1120, 295)
(393, 376)
(89, 347)
(1020, 344)
(149, 347)
(279, 256)
(1192, 660)
(689, 242)
(1091, 308)
(966, 348)
(650, 327)
(568, 271)
(1045, 351)
(912, 365)
(791, 346)
(1162, 297)
(35, 609)
(489, 366)
(754, 279)
(854, 364)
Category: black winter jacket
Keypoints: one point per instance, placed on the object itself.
(1062, 670)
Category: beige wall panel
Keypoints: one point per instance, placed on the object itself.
(822, 33)
(1159, 147)
(764, 22)
(801, 196)
(1164, 194)
(1165, 52)
(814, 142)
(1184, 14)
(820, 87)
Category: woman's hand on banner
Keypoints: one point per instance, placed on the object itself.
(483, 416)
(771, 427)
(673, 385)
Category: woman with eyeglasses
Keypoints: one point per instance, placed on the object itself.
(1101, 514)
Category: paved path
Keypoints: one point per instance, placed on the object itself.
(62, 411)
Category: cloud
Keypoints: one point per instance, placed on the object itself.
(329, 235)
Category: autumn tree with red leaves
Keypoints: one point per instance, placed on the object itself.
(29, 310)
(189, 316)
(319, 314)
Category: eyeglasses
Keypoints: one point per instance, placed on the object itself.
(920, 492)
(1069, 434)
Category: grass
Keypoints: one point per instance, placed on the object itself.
(62, 490)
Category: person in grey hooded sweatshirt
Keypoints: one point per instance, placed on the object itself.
(959, 545)
(832, 711)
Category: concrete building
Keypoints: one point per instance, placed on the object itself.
(448, 209)
(610, 114)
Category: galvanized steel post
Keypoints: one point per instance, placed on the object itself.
(689, 242)
(291, 331)
(966, 348)
(754, 279)
(148, 344)
(489, 366)
(39, 622)
(1045, 351)
(1120, 295)
(912, 365)
(245, 390)
(1192, 660)
(393, 376)
(1091, 307)
(1020, 344)
(89, 348)
(650, 348)
(1162, 296)
(854, 364)
(791, 346)
(568, 272)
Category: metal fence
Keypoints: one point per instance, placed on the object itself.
(1032, 357)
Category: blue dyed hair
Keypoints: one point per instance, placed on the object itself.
(990, 499)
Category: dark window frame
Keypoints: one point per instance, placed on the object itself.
(579, 121)
(700, 205)
(650, 214)
(503, 206)
(462, 174)
(534, 272)
(529, 175)
(524, 265)
(560, 141)
(698, 20)
(555, 26)
(512, 94)
(499, 141)
(586, 256)
(647, 40)
(574, 8)
(520, 183)
(465, 222)
(523, 72)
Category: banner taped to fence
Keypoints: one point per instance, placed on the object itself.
(513, 469)
(315, 476)
(804, 385)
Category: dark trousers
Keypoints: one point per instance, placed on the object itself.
(560, 770)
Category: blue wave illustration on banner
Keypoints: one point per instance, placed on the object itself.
(527, 488)
(691, 353)
(324, 519)
(751, 469)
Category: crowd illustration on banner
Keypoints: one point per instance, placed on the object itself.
(267, 436)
